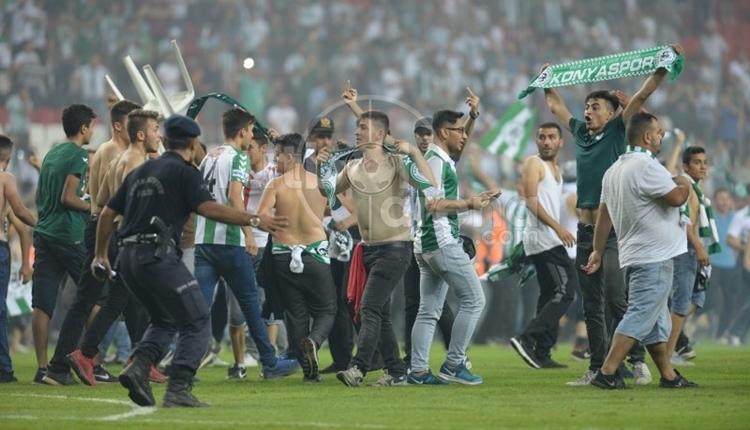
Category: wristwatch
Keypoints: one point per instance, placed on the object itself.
(254, 221)
(474, 116)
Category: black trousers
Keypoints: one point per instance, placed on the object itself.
(88, 292)
(605, 296)
(411, 308)
(341, 337)
(385, 265)
(174, 303)
(306, 295)
(557, 283)
(725, 295)
(119, 301)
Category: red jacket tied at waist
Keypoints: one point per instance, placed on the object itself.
(355, 289)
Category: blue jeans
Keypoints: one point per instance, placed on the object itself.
(647, 318)
(683, 280)
(5, 362)
(236, 267)
(445, 267)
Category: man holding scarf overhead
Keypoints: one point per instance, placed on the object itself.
(600, 140)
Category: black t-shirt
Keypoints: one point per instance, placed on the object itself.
(168, 187)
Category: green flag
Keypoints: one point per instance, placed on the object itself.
(512, 132)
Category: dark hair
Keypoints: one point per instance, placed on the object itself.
(722, 190)
(137, 121)
(121, 109)
(6, 147)
(688, 153)
(292, 143)
(259, 137)
(76, 116)
(235, 119)
(444, 117)
(179, 143)
(637, 125)
(552, 125)
(377, 117)
(604, 95)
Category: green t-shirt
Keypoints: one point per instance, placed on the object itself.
(55, 220)
(594, 155)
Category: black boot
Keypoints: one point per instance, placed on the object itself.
(135, 378)
(178, 393)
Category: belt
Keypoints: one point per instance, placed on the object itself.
(139, 238)
(397, 244)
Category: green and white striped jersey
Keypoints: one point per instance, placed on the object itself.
(220, 167)
(438, 230)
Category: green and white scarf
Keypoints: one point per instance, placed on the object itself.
(197, 104)
(608, 67)
(317, 250)
(707, 224)
(640, 150)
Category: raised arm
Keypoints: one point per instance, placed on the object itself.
(473, 101)
(350, 98)
(674, 157)
(557, 106)
(649, 86)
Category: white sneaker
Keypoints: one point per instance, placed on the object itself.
(583, 380)
(641, 373)
(250, 361)
(676, 360)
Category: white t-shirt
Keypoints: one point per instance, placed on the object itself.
(648, 229)
(740, 225)
(253, 192)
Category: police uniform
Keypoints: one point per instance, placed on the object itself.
(150, 263)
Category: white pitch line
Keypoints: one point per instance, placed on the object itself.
(135, 409)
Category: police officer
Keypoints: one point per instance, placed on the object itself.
(156, 200)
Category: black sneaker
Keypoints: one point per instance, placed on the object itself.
(57, 379)
(309, 358)
(549, 363)
(581, 354)
(39, 377)
(102, 375)
(608, 382)
(6, 377)
(624, 372)
(525, 351)
(237, 372)
(678, 382)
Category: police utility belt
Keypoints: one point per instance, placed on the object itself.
(164, 245)
(139, 238)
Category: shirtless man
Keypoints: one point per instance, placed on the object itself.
(143, 134)
(300, 253)
(600, 140)
(9, 199)
(379, 183)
